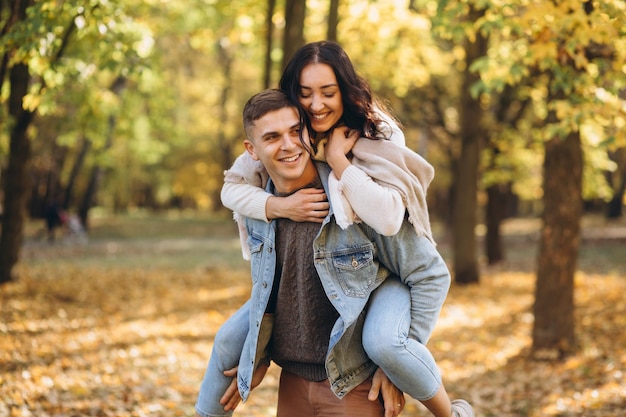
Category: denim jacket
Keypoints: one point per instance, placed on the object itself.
(351, 263)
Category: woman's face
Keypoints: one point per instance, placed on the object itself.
(320, 96)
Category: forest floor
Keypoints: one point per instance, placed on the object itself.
(122, 325)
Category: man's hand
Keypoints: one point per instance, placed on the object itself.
(306, 205)
(231, 398)
(393, 398)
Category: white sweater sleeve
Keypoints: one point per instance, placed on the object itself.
(243, 191)
(378, 206)
(245, 199)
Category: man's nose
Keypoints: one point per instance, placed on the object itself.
(287, 141)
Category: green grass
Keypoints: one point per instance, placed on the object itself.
(180, 241)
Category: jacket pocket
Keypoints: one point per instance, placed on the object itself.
(355, 269)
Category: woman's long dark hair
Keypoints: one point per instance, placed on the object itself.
(358, 104)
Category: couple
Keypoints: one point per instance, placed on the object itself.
(311, 310)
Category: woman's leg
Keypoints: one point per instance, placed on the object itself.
(227, 348)
(407, 362)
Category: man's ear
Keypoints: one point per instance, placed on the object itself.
(250, 148)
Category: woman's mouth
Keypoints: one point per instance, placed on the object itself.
(319, 117)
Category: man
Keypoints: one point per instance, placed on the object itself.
(310, 290)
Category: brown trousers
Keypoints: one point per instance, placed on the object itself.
(298, 397)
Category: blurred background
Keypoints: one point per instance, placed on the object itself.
(115, 107)
(118, 118)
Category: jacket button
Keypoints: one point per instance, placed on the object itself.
(354, 263)
(264, 284)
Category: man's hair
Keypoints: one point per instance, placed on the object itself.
(262, 103)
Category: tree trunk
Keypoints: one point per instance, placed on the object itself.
(553, 331)
(76, 167)
(269, 36)
(293, 37)
(465, 207)
(16, 178)
(333, 20)
(224, 143)
(617, 181)
(497, 202)
(615, 206)
(97, 172)
(89, 196)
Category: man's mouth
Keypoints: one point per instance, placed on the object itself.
(290, 158)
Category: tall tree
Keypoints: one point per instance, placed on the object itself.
(473, 135)
(37, 54)
(570, 81)
(16, 183)
(16, 178)
(553, 329)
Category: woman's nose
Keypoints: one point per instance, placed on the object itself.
(316, 103)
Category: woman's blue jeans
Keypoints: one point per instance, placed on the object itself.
(390, 344)
(387, 339)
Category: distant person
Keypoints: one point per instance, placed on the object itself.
(75, 228)
(54, 216)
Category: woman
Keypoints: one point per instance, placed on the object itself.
(365, 149)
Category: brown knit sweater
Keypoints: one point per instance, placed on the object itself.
(303, 315)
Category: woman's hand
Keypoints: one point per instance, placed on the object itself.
(340, 143)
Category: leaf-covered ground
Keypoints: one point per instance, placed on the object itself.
(119, 328)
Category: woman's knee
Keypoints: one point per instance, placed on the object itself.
(381, 346)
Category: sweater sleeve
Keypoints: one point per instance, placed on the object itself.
(378, 206)
(243, 191)
(245, 199)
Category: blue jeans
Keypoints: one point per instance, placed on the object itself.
(390, 344)
(227, 348)
(387, 339)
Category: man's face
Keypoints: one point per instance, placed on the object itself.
(276, 144)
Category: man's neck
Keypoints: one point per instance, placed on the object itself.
(287, 186)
